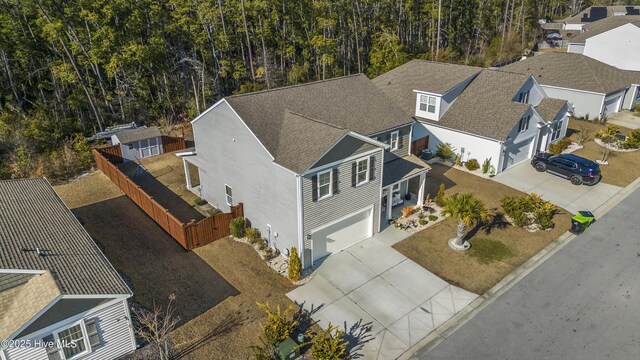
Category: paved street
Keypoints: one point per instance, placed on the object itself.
(582, 303)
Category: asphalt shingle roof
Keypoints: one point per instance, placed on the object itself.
(128, 136)
(402, 168)
(575, 71)
(429, 76)
(550, 107)
(595, 13)
(32, 216)
(349, 102)
(604, 25)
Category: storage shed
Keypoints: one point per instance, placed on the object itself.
(138, 143)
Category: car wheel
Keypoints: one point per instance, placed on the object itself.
(576, 180)
(540, 167)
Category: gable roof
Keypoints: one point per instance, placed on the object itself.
(549, 108)
(348, 103)
(486, 107)
(575, 71)
(128, 136)
(429, 76)
(595, 13)
(32, 218)
(604, 25)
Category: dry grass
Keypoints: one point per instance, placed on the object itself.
(429, 247)
(623, 168)
(88, 189)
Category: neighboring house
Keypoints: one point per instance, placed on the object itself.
(593, 88)
(60, 298)
(318, 166)
(139, 143)
(592, 14)
(482, 113)
(614, 41)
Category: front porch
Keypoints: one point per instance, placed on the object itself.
(403, 185)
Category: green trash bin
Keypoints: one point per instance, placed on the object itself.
(581, 221)
(287, 350)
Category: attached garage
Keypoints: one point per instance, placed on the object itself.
(342, 233)
(612, 104)
(516, 153)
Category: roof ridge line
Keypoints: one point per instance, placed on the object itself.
(597, 78)
(316, 120)
(294, 86)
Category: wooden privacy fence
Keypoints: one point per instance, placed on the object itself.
(418, 145)
(112, 153)
(189, 236)
(172, 143)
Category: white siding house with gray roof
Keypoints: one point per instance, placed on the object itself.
(60, 298)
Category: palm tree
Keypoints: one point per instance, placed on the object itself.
(468, 210)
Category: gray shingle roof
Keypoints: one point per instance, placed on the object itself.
(428, 76)
(604, 25)
(486, 107)
(128, 136)
(402, 168)
(32, 216)
(550, 107)
(574, 71)
(595, 13)
(349, 102)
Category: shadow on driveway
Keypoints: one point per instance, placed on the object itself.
(154, 263)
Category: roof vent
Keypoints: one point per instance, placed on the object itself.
(38, 251)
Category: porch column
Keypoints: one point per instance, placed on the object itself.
(423, 179)
(186, 172)
(389, 202)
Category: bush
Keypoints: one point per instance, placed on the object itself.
(457, 161)
(253, 235)
(445, 151)
(295, 266)
(262, 244)
(472, 165)
(633, 140)
(485, 165)
(528, 209)
(237, 227)
(440, 196)
(433, 218)
(278, 327)
(636, 107)
(608, 135)
(269, 254)
(560, 145)
(200, 202)
(408, 210)
(330, 345)
(422, 222)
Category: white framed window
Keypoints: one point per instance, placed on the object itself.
(394, 140)
(325, 180)
(362, 171)
(229, 194)
(557, 128)
(524, 124)
(68, 343)
(524, 97)
(428, 103)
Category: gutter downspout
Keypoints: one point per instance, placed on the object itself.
(300, 217)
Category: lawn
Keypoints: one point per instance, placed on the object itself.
(623, 168)
(495, 252)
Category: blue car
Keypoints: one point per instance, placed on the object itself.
(575, 168)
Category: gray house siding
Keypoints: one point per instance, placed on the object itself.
(631, 96)
(403, 145)
(525, 141)
(536, 94)
(347, 147)
(584, 104)
(348, 199)
(234, 157)
(448, 98)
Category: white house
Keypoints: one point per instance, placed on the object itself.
(592, 14)
(484, 114)
(60, 298)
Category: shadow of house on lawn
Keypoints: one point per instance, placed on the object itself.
(155, 263)
(436, 176)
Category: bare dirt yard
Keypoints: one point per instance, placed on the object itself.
(496, 251)
(216, 286)
(623, 168)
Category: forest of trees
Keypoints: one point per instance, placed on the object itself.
(72, 67)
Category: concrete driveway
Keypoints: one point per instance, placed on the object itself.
(555, 189)
(626, 119)
(385, 302)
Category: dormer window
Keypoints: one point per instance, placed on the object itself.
(428, 104)
(524, 97)
(524, 124)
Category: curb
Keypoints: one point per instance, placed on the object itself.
(458, 320)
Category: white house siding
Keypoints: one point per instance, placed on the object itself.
(236, 158)
(536, 93)
(575, 48)
(114, 327)
(348, 200)
(619, 47)
(631, 96)
(584, 103)
(475, 147)
(612, 103)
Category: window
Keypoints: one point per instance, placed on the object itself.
(428, 104)
(557, 128)
(229, 192)
(324, 184)
(362, 171)
(524, 97)
(524, 123)
(394, 140)
(72, 341)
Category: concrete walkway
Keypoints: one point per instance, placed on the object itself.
(555, 189)
(626, 119)
(385, 302)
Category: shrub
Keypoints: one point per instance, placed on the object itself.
(472, 165)
(278, 327)
(262, 244)
(445, 151)
(457, 161)
(636, 107)
(269, 254)
(433, 218)
(440, 196)
(200, 202)
(608, 135)
(237, 227)
(528, 209)
(560, 145)
(253, 235)
(485, 165)
(408, 210)
(295, 266)
(330, 345)
(633, 140)
(422, 222)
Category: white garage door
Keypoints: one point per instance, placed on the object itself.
(611, 105)
(342, 233)
(516, 153)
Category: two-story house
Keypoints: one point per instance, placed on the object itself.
(484, 114)
(318, 166)
(60, 298)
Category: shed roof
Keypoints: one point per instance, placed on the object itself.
(549, 108)
(604, 25)
(34, 219)
(575, 71)
(129, 136)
